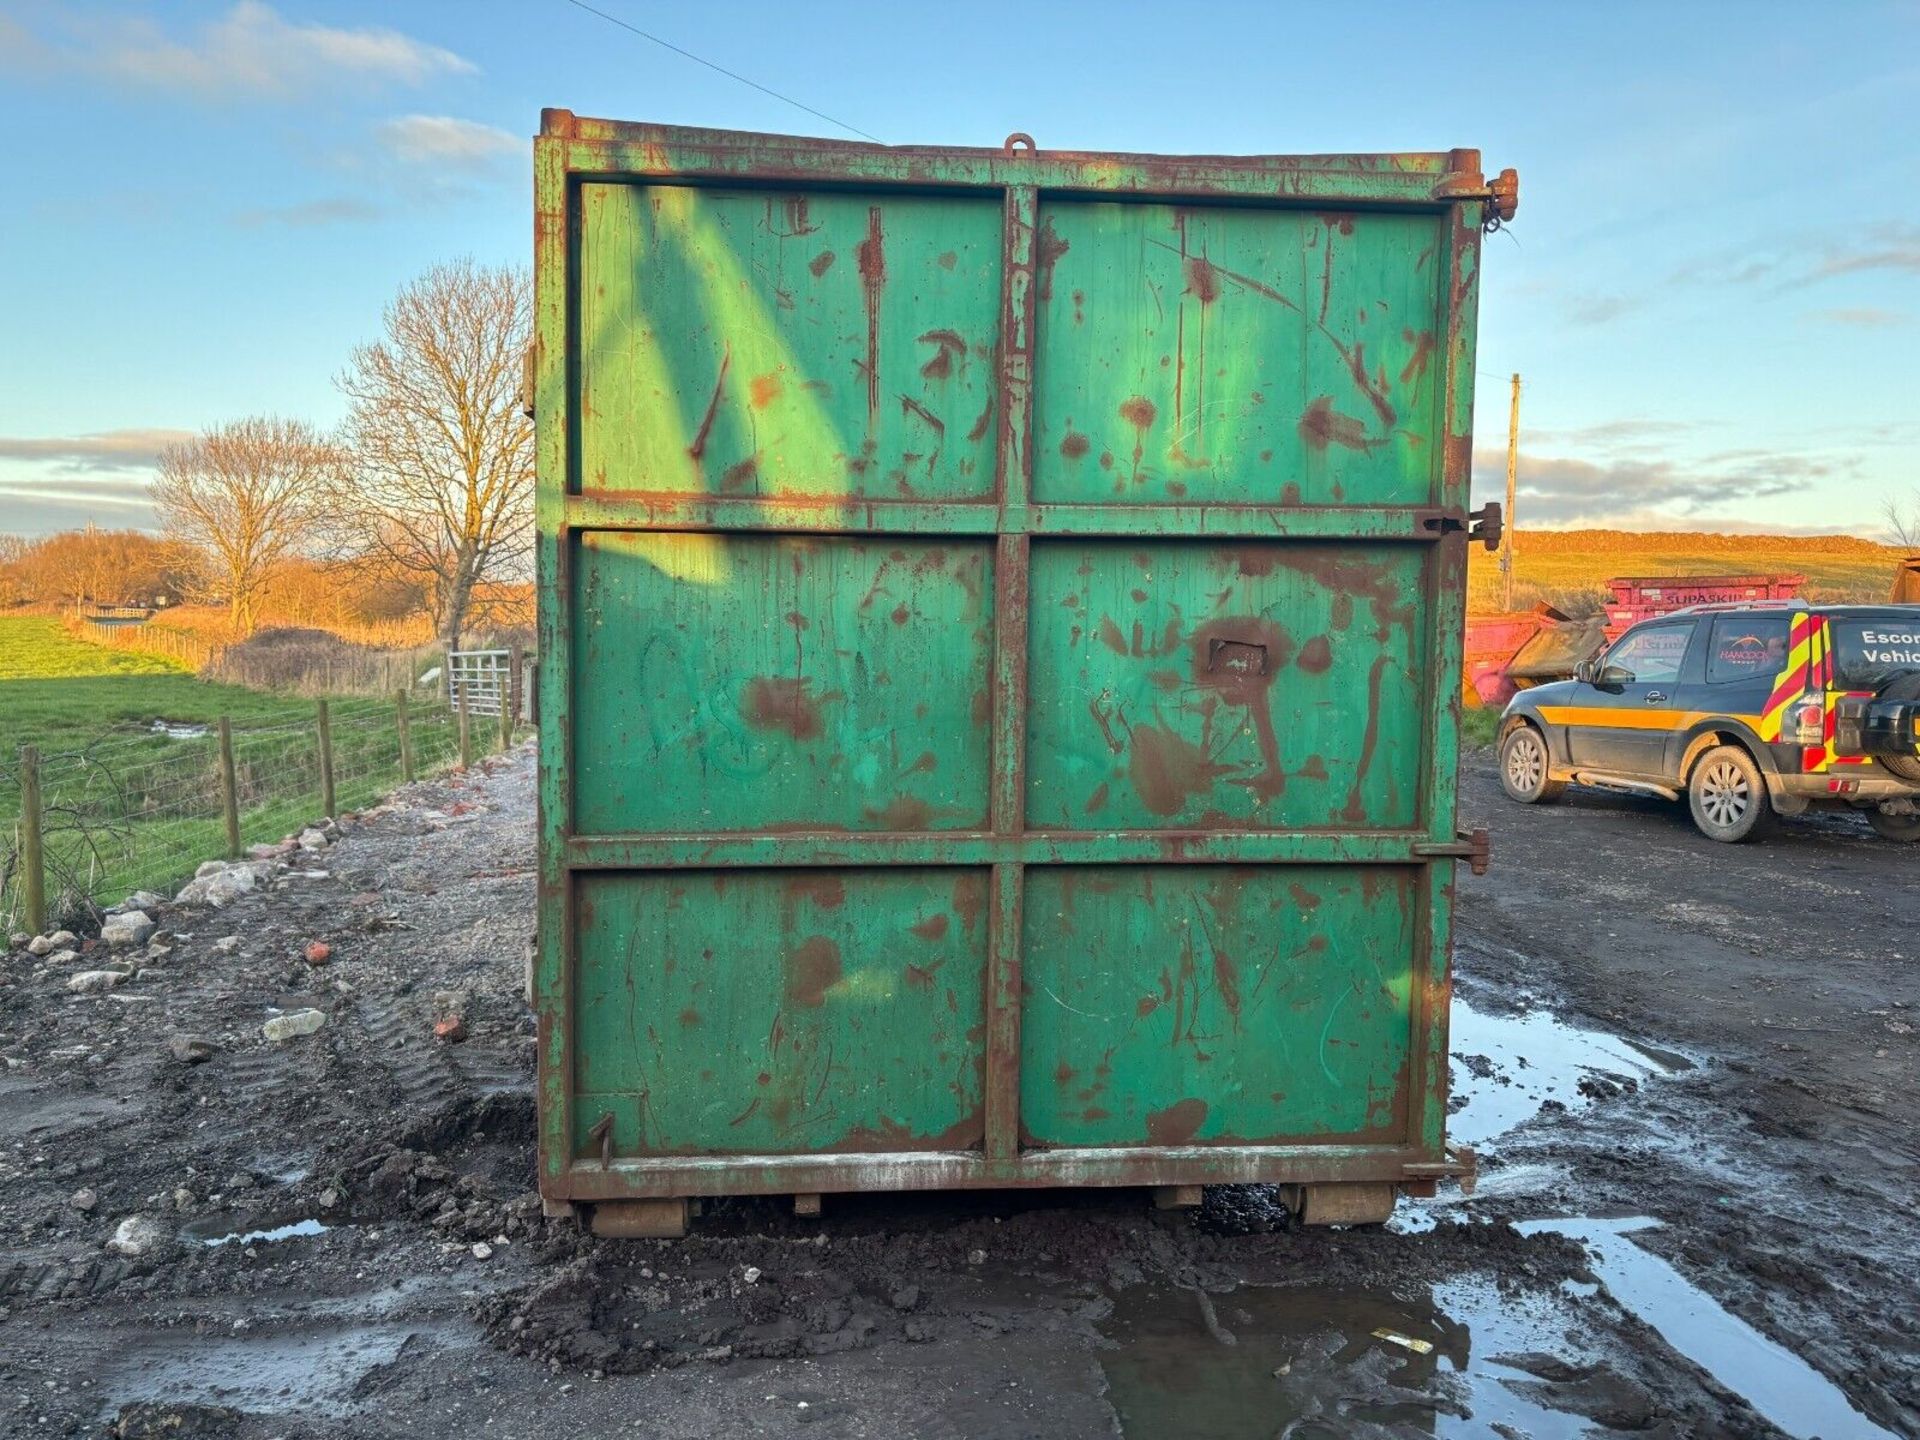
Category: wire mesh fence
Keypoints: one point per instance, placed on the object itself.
(98, 820)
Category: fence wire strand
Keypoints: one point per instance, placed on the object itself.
(140, 812)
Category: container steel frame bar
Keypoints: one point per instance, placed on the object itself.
(571, 151)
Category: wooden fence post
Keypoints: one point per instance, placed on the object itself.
(466, 735)
(509, 683)
(326, 759)
(229, 789)
(405, 723)
(33, 858)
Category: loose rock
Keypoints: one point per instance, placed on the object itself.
(83, 1200)
(293, 1023)
(318, 952)
(91, 982)
(192, 1049)
(313, 839)
(136, 1235)
(226, 945)
(452, 1030)
(132, 928)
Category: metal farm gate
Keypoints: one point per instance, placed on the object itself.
(1002, 618)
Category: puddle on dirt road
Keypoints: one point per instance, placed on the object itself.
(1505, 1067)
(1307, 1363)
(279, 1232)
(1775, 1381)
(310, 1370)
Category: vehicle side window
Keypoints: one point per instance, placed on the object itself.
(1748, 645)
(1651, 656)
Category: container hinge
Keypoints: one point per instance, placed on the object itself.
(1474, 846)
(1483, 524)
(524, 400)
(1488, 525)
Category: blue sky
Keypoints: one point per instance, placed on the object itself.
(1712, 289)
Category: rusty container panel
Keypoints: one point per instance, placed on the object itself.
(761, 1013)
(1188, 353)
(744, 682)
(1001, 615)
(1218, 1004)
(1257, 685)
(748, 343)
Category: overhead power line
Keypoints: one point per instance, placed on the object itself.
(721, 69)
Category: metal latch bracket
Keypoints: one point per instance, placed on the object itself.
(1474, 846)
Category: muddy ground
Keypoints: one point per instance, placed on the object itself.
(1696, 1214)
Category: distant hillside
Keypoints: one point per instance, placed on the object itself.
(1570, 568)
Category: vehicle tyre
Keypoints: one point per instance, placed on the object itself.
(1902, 828)
(1907, 767)
(1523, 767)
(1727, 794)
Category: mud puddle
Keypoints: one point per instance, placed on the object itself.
(1771, 1378)
(294, 1231)
(1507, 1067)
(316, 1369)
(1310, 1361)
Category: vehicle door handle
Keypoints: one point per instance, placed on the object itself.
(1655, 697)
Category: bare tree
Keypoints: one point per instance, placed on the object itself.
(440, 487)
(245, 495)
(106, 566)
(1903, 521)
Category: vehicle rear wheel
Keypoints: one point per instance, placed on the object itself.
(1902, 828)
(1728, 796)
(1523, 768)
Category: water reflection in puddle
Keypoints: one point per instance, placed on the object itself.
(1505, 1067)
(1775, 1381)
(1308, 1363)
(279, 1232)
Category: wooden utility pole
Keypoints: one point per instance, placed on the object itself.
(1509, 521)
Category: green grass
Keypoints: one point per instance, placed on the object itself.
(61, 693)
(39, 647)
(1478, 727)
(130, 809)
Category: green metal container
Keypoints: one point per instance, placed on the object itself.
(1001, 629)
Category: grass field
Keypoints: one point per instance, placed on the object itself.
(128, 807)
(1561, 567)
(59, 692)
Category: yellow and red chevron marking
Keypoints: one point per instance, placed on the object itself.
(1804, 644)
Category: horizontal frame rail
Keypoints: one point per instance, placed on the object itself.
(971, 848)
(618, 152)
(639, 510)
(588, 1180)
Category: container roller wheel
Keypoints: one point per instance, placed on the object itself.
(640, 1219)
(1345, 1203)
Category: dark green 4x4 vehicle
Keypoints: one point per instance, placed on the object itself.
(1750, 711)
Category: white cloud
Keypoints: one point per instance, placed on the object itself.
(1625, 492)
(444, 141)
(249, 51)
(104, 450)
